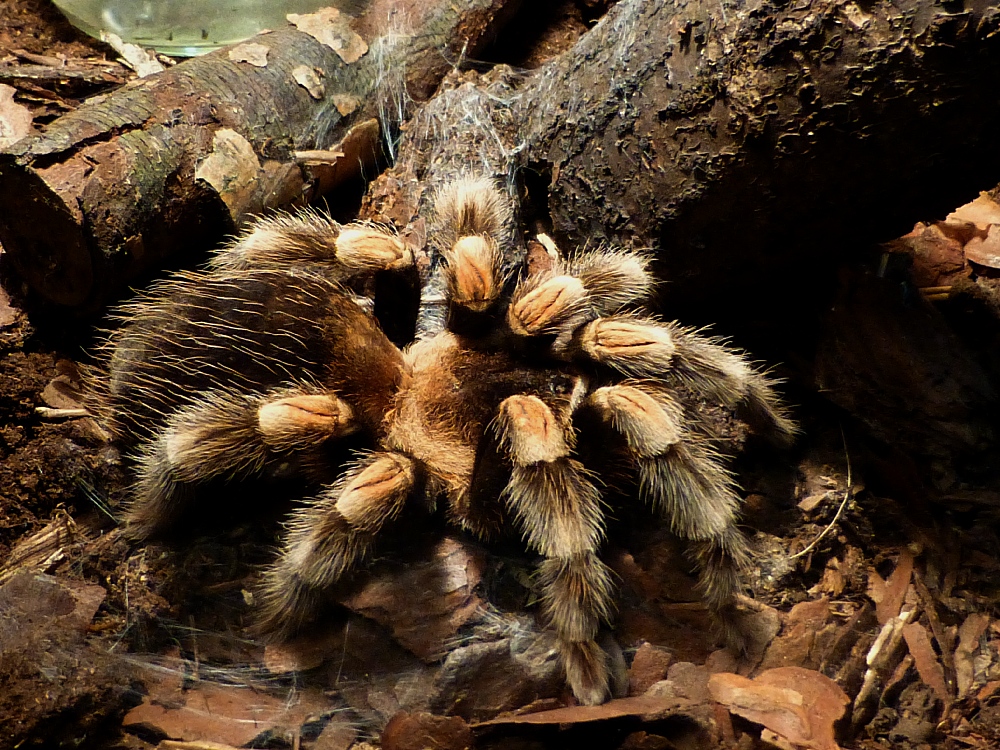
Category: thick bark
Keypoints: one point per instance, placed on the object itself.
(756, 142)
(468, 129)
(177, 160)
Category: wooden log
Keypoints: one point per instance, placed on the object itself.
(177, 160)
(754, 145)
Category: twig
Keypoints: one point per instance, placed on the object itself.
(48, 412)
(840, 510)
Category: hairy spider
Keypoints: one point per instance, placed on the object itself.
(264, 358)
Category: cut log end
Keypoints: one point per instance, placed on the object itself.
(44, 237)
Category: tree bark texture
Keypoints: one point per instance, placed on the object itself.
(468, 130)
(757, 141)
(177, 160)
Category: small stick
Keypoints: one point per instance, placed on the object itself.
(47, 412)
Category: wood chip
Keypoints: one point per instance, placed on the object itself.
(308, 78)
(331, 27)
(640, 705)
(142, 62)
(15, 119)
(232, 168)
(888, 594)
(968, 644)
(928, 666)
(982, 212)
(798, 705)
(250, 52)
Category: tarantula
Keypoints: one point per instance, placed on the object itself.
(265, 358)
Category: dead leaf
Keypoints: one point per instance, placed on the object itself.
(985, 251)
(250, 52)
(15, 119)
(331, 27)
(301, 654)
(308, 78)
(968, 644)
(926, 661)
(988, 690)
(142, 62)
(63, 393)
(44, 598)
(640, 705)
(231, 714)
(798, 705)
(428, 601)
(419, 730)
(888, 595)
(982, 212)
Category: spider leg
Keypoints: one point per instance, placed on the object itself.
(472, 221)
(558, 509)
(684, 482)
(576, 291)
(646, 348)
(331, 535)
(227, 434)
(310, 237)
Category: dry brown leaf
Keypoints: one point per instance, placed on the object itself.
(888, 595)
(427, 602)
(928, 666)
(982, 212)
(331, 27)
(212, 712)
(798, 705)
(301, 654)
(419, 730)
(639, 705)
(797, 645)
(250, 52)
(985, 251)
(15, 119)
(968, 644)
(988, 690)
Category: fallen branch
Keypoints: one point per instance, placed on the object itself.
(177, 160)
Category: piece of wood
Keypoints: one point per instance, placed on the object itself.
(753, 145)
(177, 160)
